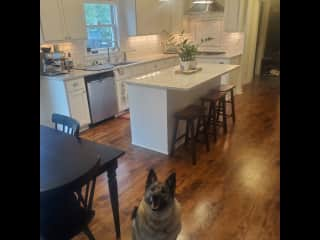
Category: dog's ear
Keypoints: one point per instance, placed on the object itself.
(152, 177)
(171, 183)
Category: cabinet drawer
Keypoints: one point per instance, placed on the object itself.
(75, 85)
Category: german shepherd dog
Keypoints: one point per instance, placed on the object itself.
(158, 215)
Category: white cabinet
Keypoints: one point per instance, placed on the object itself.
(64, 97)
(75, 24)
(41, 38)
(78, 104)
(51, 20)
(78, 101)
(124, 72)
(229, 78)
(62, 20)
(144, 17)
(235, 15)
(122, 95)
(208, 28)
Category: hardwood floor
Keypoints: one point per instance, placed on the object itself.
(233, 193)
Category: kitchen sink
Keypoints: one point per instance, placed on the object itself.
(51, 74)
(123, 63)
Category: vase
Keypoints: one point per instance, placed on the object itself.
(193, 64)
(188, 65)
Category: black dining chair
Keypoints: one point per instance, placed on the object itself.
(69, 213)
(68, 125)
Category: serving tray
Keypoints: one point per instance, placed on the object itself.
(191, 71)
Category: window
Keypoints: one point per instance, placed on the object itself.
(101, 25)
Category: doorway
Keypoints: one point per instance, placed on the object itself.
(268, 54)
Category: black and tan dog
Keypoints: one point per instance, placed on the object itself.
(158, 215)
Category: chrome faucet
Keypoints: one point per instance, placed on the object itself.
(125, 56)
(108, 55)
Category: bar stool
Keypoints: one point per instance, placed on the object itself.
(190, 114)
(215, 98)
(227, 89)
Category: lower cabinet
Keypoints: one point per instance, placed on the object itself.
(64, 97)
(124, 72)
(230, 78)
(122, 96)
(78, 104)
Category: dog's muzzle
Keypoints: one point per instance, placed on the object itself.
(155, 203)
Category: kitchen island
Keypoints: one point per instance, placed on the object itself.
(155, 97)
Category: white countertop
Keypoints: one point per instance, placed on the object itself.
(168, 79)
(224, 55)
(82, 73)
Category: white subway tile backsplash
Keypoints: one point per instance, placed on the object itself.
(136, 46)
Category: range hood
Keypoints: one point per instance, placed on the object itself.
(205, 6)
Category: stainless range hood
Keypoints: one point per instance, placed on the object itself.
(205, 6)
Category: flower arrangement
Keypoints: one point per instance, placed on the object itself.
(185, 48)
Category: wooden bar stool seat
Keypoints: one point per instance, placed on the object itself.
(215, 98)
(190, 114)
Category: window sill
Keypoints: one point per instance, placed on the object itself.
(100, 53)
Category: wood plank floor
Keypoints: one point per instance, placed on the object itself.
(233, 193)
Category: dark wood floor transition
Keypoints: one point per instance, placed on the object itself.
(233, 193)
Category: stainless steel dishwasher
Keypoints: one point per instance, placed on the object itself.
(102, 96)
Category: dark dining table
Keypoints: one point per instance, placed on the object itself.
(64, 159)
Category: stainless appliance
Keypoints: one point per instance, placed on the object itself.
(101, 96)
(52, 63)
(205, 6)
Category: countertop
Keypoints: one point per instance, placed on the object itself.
(168, 79)
(218, 56)
(82, 73)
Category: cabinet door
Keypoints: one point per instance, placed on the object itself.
(235, 15)
(209, 28)
(51, 20)
(153, 16)
(78, 103)
(41, 37)
(122, 96)
(74, 19)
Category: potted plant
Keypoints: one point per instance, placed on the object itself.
(187, 51)
(179, 43)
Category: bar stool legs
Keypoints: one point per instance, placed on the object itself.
(232, 106)
(224, 115)
(175, 129)
(229, 89)
(193, 141)
(190, 114)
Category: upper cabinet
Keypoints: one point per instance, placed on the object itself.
(235, 15)
(75, 22)
(51, 19)
(62, 20)
(144, 17)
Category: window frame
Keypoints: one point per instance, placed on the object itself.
(114, 26)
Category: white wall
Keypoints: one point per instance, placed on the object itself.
(251, 36)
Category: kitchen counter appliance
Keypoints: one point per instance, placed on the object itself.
(102, 96)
